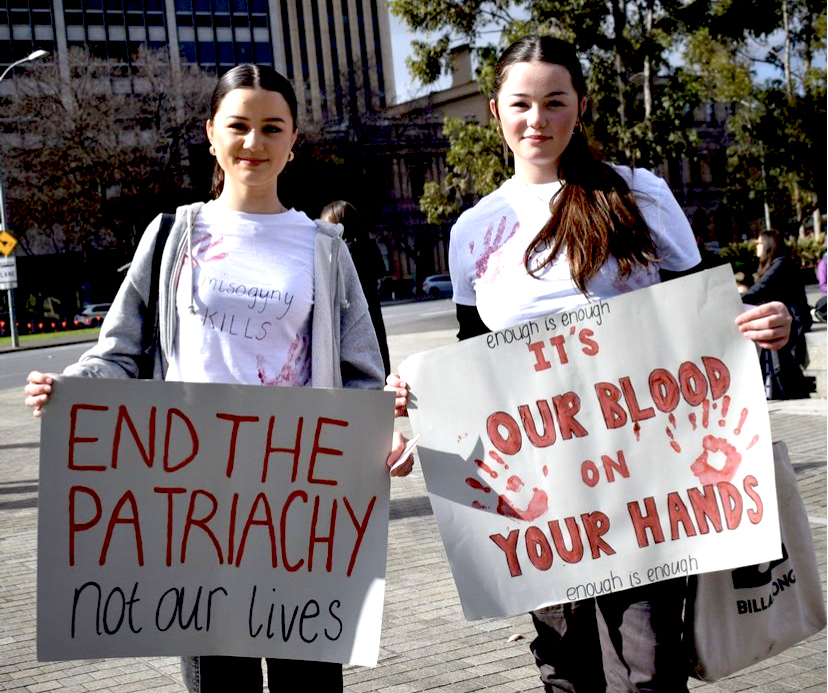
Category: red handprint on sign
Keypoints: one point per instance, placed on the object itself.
(720, 456)
(537, 505)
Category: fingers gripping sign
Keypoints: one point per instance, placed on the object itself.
(38, 388)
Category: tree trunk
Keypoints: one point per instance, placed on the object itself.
(786, 26)
(648, 77)
(620, 21)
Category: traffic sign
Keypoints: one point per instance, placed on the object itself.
(7, 243)
(8, 272)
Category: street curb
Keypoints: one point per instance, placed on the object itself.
(52, 342)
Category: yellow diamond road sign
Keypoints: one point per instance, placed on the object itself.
(7, 243)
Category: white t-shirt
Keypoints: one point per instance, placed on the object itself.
(489, 240)
(252, 280)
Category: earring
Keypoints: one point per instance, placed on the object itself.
(212, 150)
(291, 156)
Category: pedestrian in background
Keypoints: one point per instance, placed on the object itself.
(244, 237)
(567, 229)
(778, 279)
(368, 262)
(819, 311)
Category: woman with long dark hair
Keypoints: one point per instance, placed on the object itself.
(778, 279)
(367, 260)
(305, 319)
(564, 230)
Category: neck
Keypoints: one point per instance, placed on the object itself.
(250, 200)
(529, 173)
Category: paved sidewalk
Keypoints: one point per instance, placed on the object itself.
(426, 644)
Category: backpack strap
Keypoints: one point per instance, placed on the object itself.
(150, 328)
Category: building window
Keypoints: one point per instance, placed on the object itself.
(264, 55)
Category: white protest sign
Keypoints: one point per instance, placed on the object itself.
(181, 519)
(598, 449)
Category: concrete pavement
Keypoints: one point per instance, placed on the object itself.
(426, 644)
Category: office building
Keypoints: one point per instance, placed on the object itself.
(337, 53)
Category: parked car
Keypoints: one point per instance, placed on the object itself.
(437, 285)
(92, 314)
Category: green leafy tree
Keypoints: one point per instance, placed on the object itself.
(776, 124)
(640, 103)
(477, 163)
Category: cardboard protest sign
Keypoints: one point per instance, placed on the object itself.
(598, 449)
(181, 519)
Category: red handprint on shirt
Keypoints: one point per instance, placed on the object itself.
(493, 243)
(204, 248)
(294, 371)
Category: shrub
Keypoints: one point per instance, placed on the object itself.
(742, 257)
(807, 249)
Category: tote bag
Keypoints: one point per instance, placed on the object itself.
(735, 618)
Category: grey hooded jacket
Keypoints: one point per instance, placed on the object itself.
(344, 348)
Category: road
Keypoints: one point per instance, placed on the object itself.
(420, 316)
(404, 318)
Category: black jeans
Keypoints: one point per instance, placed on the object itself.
(624, 642)
(244, 675)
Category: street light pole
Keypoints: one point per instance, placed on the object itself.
(37, 55)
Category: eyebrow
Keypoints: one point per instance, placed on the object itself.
(551, 93)
(276, 119)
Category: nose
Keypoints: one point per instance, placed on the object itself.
(535, 117)
(252, 140)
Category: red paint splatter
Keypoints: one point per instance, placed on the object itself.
(673, 443)
(708, 474)
(725, 409)
(714, 406)
(474, 483)
(545, 470)
(672, 419)
(637, 430)
(537, 507)
(478, 505)
(486, 468)
(753, 441)
(514, 483)
(692, 419)
(497, 458)
(741, 423)
(706, 413)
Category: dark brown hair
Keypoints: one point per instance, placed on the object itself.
(249, 76)
(593, 215)
(774, 247)
(343, 212)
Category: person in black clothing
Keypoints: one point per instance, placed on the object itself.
(368, 262)
(778, 279)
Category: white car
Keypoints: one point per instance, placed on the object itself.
(92, 314)
(437, 285)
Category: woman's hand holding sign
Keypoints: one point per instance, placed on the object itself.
(37, 389)
(769, 325)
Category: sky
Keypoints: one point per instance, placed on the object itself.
(401, 39)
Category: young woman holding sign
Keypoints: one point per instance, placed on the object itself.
(302, 320)
(567, 229)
